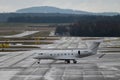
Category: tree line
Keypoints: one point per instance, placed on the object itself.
(45, 19)
(93, 26)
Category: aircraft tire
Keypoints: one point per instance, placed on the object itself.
(74, 61)
(68, 61)
(38, 62)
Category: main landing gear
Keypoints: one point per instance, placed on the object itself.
(38, 62)
(68, 61)
(74, 61)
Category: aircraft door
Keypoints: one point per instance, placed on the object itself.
(79, 53)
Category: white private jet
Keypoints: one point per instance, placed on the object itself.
(68, 55)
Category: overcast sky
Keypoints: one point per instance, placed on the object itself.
(85, 5)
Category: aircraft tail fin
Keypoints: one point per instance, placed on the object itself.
(93, 46)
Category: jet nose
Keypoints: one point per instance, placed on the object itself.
(36, 56)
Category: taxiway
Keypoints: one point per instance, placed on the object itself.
(22, 66)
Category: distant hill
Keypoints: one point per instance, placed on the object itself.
(45, 13)
(49, 9)
(107, 14)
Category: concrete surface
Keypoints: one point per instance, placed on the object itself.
(26, 33)
(21, 66)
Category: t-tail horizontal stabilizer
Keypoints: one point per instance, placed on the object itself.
(93, 45)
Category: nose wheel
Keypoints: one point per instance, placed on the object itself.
(38, 61)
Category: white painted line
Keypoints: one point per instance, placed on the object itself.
(26, 33)
(7, 75)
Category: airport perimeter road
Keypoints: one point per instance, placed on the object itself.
(66, 43)
(26, 33)
(21, 66)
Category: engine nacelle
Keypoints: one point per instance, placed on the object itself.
(84, 53)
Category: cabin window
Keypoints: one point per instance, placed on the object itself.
(41, 54)
(58, 54)
(50, 54)
(65, 54)
(72, 54)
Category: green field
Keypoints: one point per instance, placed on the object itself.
(7, 33)
(30, 24)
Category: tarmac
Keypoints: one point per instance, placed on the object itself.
(21, 65)
(25, 33)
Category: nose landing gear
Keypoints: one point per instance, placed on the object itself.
(38, 61)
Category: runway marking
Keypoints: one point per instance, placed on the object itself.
(13, 65)
(34, 69)
(87, 69)
(62, 77)
(28, 76)
(49, 76)
(113, 68)
(45, 75)
(22, 71)
(9, 56)
(13, 60)
(7, 75)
